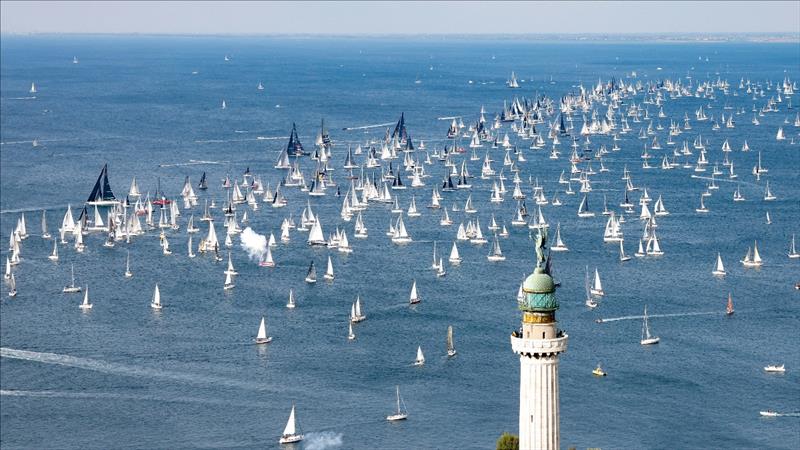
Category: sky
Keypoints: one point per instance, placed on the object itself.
(152, 17)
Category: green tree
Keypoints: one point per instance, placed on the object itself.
(508, 441)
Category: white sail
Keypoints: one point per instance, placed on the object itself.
(85, 304)
(316, 236)
(329, 271)
(156, 302)
(451, 349)
(756, 256)
(414, 297)
(420, 357)
(291, 426)
(261, 336)
(719, 268)
(597, 287)
(455, 257)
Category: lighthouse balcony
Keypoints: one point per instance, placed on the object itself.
(539, 347)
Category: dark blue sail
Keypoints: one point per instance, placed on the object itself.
(400, 131)
(102, 189)
(295, 148)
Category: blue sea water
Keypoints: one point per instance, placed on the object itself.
(121, 376)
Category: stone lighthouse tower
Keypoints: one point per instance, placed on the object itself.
(538, 343)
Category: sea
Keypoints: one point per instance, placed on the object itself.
(190, 376)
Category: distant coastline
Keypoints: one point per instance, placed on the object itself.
(772, 37)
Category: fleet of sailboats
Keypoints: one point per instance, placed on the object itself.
(378, 174)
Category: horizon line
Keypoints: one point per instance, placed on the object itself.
(693, 34)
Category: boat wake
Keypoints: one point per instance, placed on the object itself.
(366, 127)
(257, 138)
(615, 319)
(39, 208)
(193, 162)
(323, 440)
(110, 396)
(125, 370)
(22, 98)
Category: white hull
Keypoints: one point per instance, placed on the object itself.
(650, 341)
(291, 439)
(396, 417)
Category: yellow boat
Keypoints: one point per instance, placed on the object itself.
(598, 371)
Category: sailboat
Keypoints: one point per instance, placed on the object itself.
(156, 302)
(101, 192)
(45, 233)
(401, 413)
(729, 306)
(311, 276)
(414, 297)
(128, 273)
(622, 256)
(559, 245)
(266, 259)
(261, 337)
(755, 259)
(329, 271)
(351, 335)
(793, 250)
(71, 288)
(496, 254)
(291, 303)
(647, 339)
(85, 305)
(420, 357)
(597, 288)
(455, 257)
(12, 286)
(583, 209)
(702, 208)
(355, 311)
(291, 432)
(768, 196)
(33, 88)
(589, 300)
(228, 281)
(451, 349)
(54, 255)
(719, 269)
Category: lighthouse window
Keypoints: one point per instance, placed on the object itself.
(542, 334)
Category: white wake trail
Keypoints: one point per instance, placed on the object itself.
(125, 370)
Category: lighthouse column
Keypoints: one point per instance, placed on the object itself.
(539, 342)
(538, 403)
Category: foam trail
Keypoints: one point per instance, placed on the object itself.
(448, 118)
(253, 243)
(193, 162)
(268, 138)
(323, 440)
(62, 208)
(124, 369)
(707, 313)
(111, 396)
(257, 138)
(365, 127)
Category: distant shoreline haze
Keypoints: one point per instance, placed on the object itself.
(562, 37)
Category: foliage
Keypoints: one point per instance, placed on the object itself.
(508, 441)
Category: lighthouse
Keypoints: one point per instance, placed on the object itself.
(539, 342)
